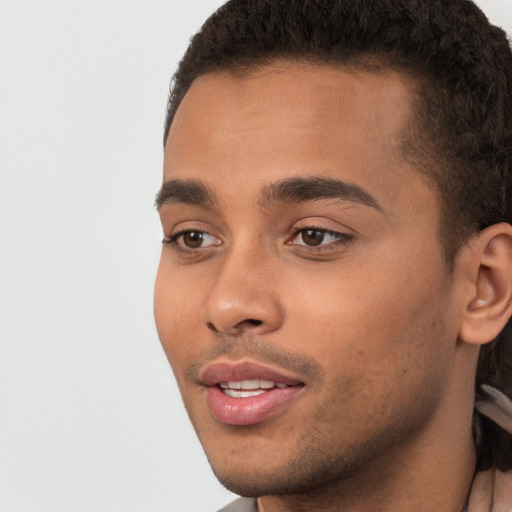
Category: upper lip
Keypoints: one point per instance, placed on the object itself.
(214, 373)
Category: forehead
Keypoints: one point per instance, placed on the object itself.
(293, 118)
(301, 89)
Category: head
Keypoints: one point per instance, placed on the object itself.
(460, 71)
(420, 93)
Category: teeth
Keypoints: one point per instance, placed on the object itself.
(245, 388)
(245, 384)
(243, 394)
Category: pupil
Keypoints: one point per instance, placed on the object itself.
(313, 236)
(193, 239)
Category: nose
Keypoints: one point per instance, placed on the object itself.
(243, 297)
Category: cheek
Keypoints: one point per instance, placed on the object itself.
(384, 348)
(176, 313)
(370, 317)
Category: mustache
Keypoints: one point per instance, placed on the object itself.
(260, 351)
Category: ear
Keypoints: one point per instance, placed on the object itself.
(488, 302)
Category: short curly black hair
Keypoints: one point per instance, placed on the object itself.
(461, 68)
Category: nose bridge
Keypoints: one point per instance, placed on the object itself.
(242, 296)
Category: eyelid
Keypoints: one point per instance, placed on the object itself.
(174, 237)
(327, 232)
(340, 238)
(176, 229)
(321, 224)
(338, 235)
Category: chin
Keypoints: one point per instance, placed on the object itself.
(302, 473)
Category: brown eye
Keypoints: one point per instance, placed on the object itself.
(190, 240)
(193, 239)
(319, 238)
(312, 236)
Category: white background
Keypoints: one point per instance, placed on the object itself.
(90, 419)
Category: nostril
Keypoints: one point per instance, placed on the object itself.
(252, 322)
(237, 328)
(211, 327)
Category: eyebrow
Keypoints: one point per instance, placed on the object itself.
(185, 191)
(296, 190)
(290, 190)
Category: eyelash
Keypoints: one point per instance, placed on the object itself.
(173, 239)
(343, 239)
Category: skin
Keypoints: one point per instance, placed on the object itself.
(368, 320)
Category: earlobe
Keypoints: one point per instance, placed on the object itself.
(489, 302)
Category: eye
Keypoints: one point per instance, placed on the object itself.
(313, 237)
(192, 240)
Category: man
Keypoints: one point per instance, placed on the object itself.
(336, 273)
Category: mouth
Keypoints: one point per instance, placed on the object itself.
(246, 393)
(248, 388)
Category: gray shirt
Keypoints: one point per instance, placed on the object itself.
(251, 505)
(241, 505)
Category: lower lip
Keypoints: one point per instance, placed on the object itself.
(250, 410)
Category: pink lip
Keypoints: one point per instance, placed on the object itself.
(227, 371)
(249, 410)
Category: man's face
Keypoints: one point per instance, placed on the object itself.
(303, 267)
